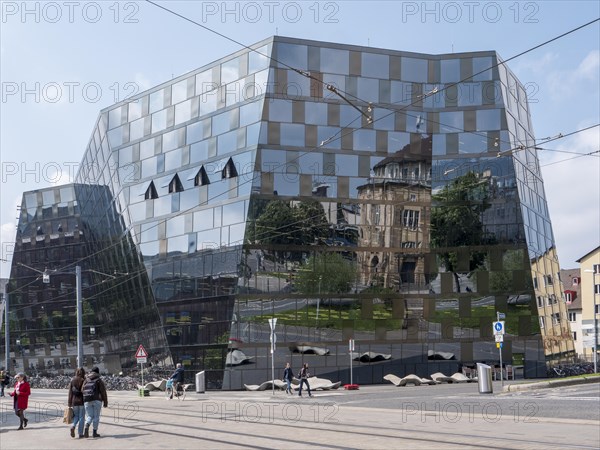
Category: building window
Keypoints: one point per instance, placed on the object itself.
(596, 268)
(229, 171)
(596, 309)
(555, 319)
(376, 215)
(535, 282)
(151, 193)
(548, 280)
(540, 301)
(411, 219)
(572, 317)
(568, 297)
(201, 178)
(574, 335)
(541, 323)
(175, 185)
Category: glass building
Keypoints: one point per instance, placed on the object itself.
(388, 197)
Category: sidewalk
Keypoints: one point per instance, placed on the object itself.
(331, 419)
(557, 382)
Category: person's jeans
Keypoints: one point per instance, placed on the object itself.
(302, 381)
(289, 385)
(1, 390)
(78, 418)
(92, 413)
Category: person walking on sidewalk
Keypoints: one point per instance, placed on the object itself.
(94, 396)
(4, 381)
(21, 398)
(304, 375)
(76, 401)
(288, 376)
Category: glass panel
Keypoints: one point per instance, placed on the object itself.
(375, 66)
(114, 117)
(328, 137)
(115, 137)
(250, 113)
(227, 143)
(450, 70)
(480, 65)
(291, 55)
(125, 156)
(48, 198)
(136, 130)
(368, 89)
(346, 165)
(183, 112)
(178, 244)
(173, 159)
(488, 119)
(258, 59)
(157, 101)
(280, 111)
(135, 110)
(230, 70)
(397, 141)
(175, 226)
(471, 143)
(159, 121)
(233, 213)
(220, 123)
(147, 148)
(179, 92)
(149, 232)
(401, 92)
(451, 122)
(292, 134)
(412, 69)
(67, 194)
(469, 94)
(169, 140)
(335, 61)
(364, 140)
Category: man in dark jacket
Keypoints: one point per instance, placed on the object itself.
(94, 396)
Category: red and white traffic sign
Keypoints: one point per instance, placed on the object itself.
(141, 354)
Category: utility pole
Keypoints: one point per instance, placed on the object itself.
(6, 335)
(79, 317)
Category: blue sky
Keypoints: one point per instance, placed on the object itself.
(62, 62)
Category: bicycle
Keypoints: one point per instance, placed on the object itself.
(177, 392)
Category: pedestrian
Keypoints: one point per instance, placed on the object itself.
(21, 398)
(94, 396)
(304, 374)
(4, 381)
(288, 376)
(76, 401)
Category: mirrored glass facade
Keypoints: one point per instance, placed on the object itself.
(388, 197)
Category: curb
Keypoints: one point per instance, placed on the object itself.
(551, 384)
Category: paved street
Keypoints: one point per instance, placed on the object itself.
(444, 416)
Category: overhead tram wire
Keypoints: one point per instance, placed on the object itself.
(338, 133)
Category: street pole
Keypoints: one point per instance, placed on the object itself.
(500, 353)
(6, 335)
(595, 323)
(79, 317)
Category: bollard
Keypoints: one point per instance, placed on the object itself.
(200, 382)
(484, 379)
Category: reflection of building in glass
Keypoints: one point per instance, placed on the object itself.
(249, 189)
(395, 219)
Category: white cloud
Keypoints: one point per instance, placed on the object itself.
(573, 192)
(7, 240)
(564, 83)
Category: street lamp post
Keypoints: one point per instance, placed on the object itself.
(318, 301)
(6, 335)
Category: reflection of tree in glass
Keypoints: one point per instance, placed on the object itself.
(325, 273)
(456, 221)
(280, 224)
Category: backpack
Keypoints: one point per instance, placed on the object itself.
(90, 389)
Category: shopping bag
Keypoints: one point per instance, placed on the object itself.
(68, 415)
